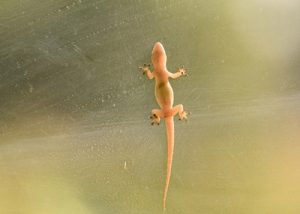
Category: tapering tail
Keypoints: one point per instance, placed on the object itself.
(170, 141)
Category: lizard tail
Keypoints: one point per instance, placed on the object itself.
(170, 141)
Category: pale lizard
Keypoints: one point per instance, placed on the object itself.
(164, 97)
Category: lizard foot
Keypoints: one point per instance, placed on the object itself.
(145, 68)
(182, 71)
(183, 115)
(155, 119)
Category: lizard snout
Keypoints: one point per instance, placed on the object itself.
(159, 57)
(158, 47)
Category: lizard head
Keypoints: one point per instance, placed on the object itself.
(159, 57)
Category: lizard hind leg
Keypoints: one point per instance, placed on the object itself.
(156, 114)
(181, 113)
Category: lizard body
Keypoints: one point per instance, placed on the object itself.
(165, 97)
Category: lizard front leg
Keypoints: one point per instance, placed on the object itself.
(179, 73)
(146, 70)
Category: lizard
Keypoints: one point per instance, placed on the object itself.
(165, 98)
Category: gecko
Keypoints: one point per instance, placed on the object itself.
(165, 97)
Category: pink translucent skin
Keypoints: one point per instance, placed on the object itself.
(164, 96)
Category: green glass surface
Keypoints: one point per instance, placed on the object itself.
(75, 133)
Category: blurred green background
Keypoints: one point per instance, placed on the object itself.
(74, 130)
